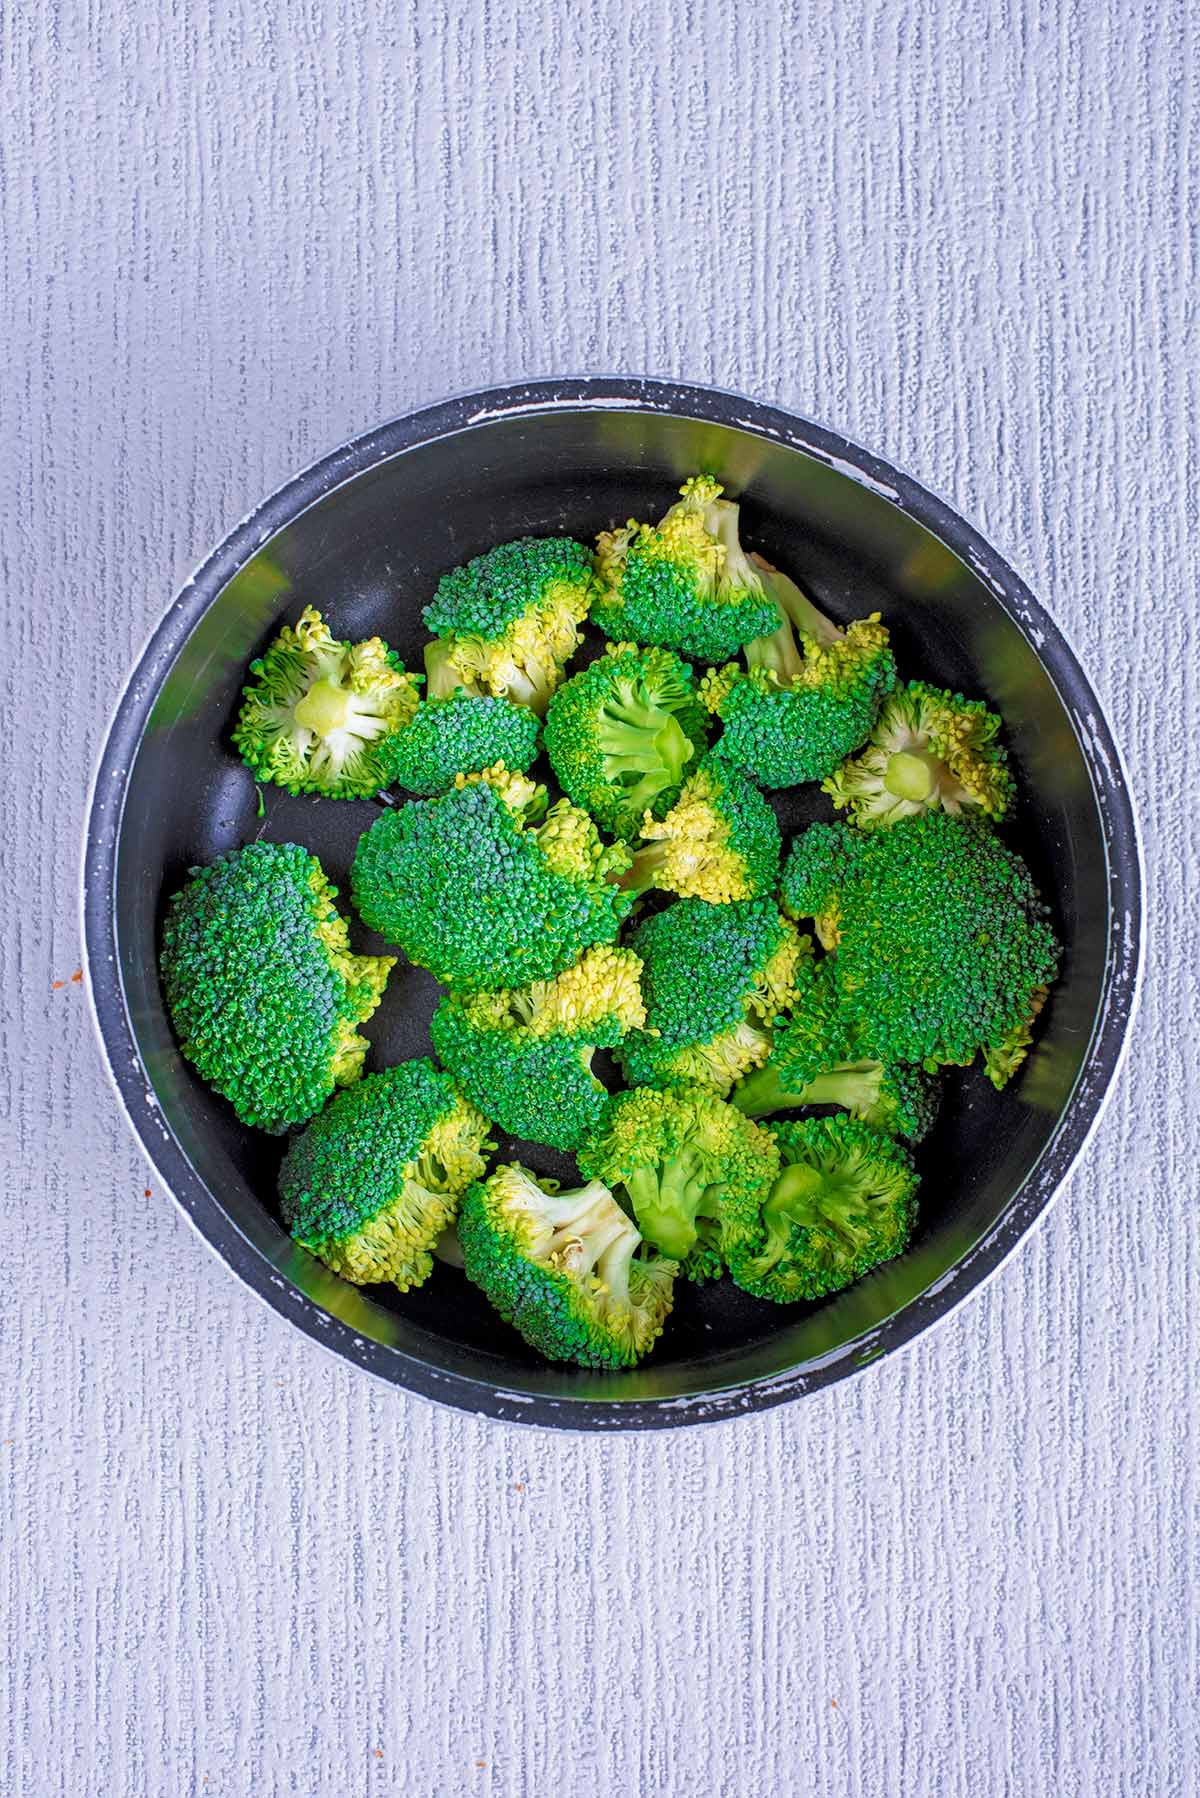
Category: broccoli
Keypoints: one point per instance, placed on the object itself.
(370, 1185)
(567, 1269)
(682, 1157)
(472, 892)
(462, 735)
(525, 1055)
(262, 989)
(319, 716)
(795, 711)
(942, 945)
(507, 622)
(844, 1201)
(818, 1059)
(677, 584)
(620, 734)
(929, 748)
(720, 840)
(713, 976)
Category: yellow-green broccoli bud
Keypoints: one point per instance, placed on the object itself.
(464, 734)
(929, 749)
(719, 842)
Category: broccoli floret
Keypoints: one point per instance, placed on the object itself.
(507, 622)
(568, 1270)
(929, 749)
(797, 709)
(525, 1055)
(470, 890)
(720, 840)
(372, 1182)
(844, 1201)
(942, 946)
(263, 991)
(462, 735)
(681, 1157)
(621, 733)
(677, 584)
(714, 977)
(320, 716)
(817, 1058)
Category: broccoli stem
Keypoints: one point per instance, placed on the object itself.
(778, 653)
(912, 774)
(324, 708)
(853, 1085)
(644, 748)
(666, 1201)
(639, 876)
(762, 1093)
(442, 678)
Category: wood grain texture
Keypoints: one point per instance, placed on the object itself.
(965, 234)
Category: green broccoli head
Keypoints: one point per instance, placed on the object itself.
(943, 948)
(621, 733)
(471, 890)
(929, 749)
(507, 622)
(568, 1270)
(463, 734)
(844, 1201)
(683, 584)
(320, 716)
(714, 978)
(719, 842)
(680, 1157)
(808, 695)
(262, 989)
(525, 1055)
(372, 1182)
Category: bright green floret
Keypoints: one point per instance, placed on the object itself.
(507, 622)
(818, 1058)
(321, 716)
(462, 735)
(808, 695)
(372, 1183)
(929, 750)
(683, 583)
(621, 733)
(525, 1055)
(844, 1202)
(943, 949)
(471, 890)
(714, 980)
(691, 1168)
(568, 1270)
(263, 991)
(720, 840)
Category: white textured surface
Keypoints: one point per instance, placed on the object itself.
(964, 233)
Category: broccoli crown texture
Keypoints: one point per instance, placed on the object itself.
(942, 946)
(525, 1055)
(371, 1183)
(714, 977)
(472, 892)
(929, 749)
(567, 1269)
(320, 716)
(677, 583)
(844, 1201)
(720, 840)
(262, 988)
(620, 733)
(462, 735)
(680, 1157)
(507, 621)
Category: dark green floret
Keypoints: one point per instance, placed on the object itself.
(462, 735)
(471, 890)
(929, 749)
(372, 1183)
(263, 991)
(621, 733)
(845, 1201)
(720, 840)
(525, 1055)
(568, 1270)
(714, 979)
(943, 949)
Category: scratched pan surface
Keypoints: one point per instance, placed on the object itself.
(365, 535)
